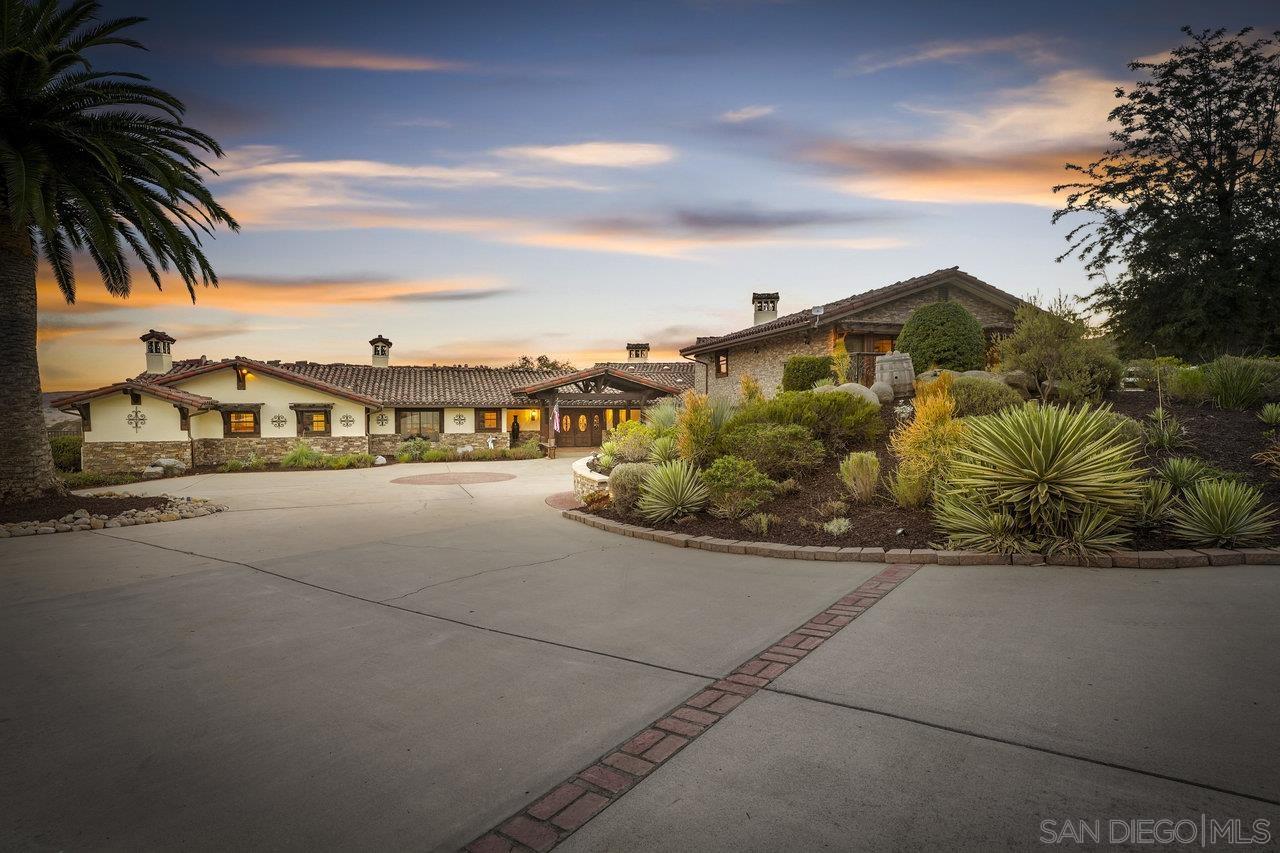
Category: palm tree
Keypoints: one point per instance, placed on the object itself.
(95, 162)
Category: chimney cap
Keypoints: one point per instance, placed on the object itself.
(153, 335)
(637, 346)
(757, 297)
(380, 340)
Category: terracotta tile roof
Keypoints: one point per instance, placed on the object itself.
(429, 386)
(678, 374)
(633, 378)
(833, 310)
(186, 370)
(173, 395)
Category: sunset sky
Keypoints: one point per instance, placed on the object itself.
(481, 180)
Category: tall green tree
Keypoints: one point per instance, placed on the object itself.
(1182, 213)
(93, 162)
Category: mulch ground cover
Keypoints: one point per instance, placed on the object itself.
(1222, 438)
(58, 506)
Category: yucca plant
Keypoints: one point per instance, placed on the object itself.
(1164, 432)
(972, 527)
(1222, 514)
(1154, 504)
(1270, 414)
(1065, 476)
(661, 416)
(663, 449)
(860, 473)
(672, 489)
(1183, 472)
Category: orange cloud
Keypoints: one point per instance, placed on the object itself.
(335, 57)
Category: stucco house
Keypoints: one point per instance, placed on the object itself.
(205, 412)
(868, 324)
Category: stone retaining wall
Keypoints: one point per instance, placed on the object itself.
(216, 451)
(586, 481)
(114, 457)
(1178, 558)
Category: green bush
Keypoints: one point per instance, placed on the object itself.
(672, 490)
(66, 452)
(632, 440)
(530, 448)
(412, 450)
(1222, 514)
(977, 396)
(1130, 429)
(303, 456)
(736, 487)
(860, 473)
(837, 526)
(802, 372)
(95, 480)
(625, 481)
(1062, 476)
(840, 421)
(779, 450)
(698, 426)
(910, 484)
(760, 522)
(231, 466)
(1270, 414)
(1053, 344)
(944, 335)
(351, 460)
(1189, 385)
(1235, 383)
(439, 454)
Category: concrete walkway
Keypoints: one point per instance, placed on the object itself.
(345, 662)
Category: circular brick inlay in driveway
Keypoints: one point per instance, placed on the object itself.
(452, 479)
(563, 500)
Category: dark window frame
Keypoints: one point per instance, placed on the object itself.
(400, 413)
(226, 424)
(722, 363)
(303, 419)
(479, 420)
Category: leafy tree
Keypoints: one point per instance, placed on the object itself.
(1187, 202)
(542, 362)
(98, 162)
(943, 334)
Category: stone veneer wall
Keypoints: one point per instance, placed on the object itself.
(764, 360)
(112, 457)
(387, 444)
(215, 451)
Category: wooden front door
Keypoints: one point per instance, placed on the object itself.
(581, 428)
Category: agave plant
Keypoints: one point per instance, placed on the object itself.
(1183, 472)
(1064, 476)
(670, 490)
(1164, 432)
(663, 450)
(1155, 503)
(661, 416)
(1222, 514)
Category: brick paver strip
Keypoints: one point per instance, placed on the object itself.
(552, 817)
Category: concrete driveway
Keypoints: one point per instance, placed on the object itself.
(345, 662)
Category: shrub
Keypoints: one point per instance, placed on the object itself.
(440, 454)
(1151, 374)
(1270, 458)
(350, 460)
(779, 450)
(1053, 345)
(1189, 385)
(909, 485)
(736, 487)
(1270, 414)
(1062, 475)
(631, 440)
(837, 526)
(66, 451)
(95, 480)
(1183, 472)
(839, 421)
(1222, 514)
(929, 440)
(661, 417)
(1130, 429)
(671, 490)
(530, 448)
(943, 334)
(698, 427)
(597, 500)
(860, 473)
(833, 507)
(606, 462)
(412, 450)
(1164, 431)
(231, 466)
(802, 372)
(760, 522)
(977, 396)
(303, 456)
(663, 449)
(841, 362)
(787, 486)
(625, 481)
(749, 389)
(1235, 383)
(927, 389)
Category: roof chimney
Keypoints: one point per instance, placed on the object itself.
(637, 353)
(766, 307)
(159, 357)
(381, 351)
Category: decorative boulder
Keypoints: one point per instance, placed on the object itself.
(931, 375)
(379, 460)
(883, 392)
(1019, 380)
(170, 465)
(982, 374)
(861, 390)
(466, 448)
(152, 472)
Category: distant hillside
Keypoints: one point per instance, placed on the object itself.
(57, 422)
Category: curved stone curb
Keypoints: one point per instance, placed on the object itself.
(177, 509)
(1173, 559)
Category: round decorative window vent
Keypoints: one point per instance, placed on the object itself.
(459, 419)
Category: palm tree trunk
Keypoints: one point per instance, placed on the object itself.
(26, 463)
